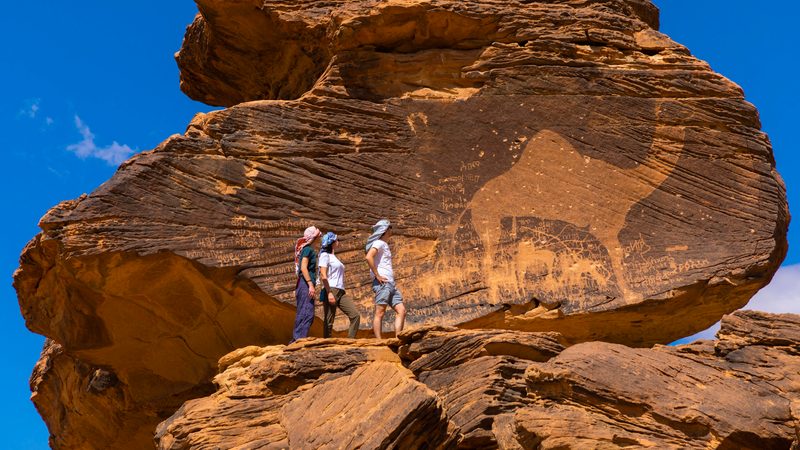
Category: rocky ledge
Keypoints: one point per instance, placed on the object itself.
(442, 387)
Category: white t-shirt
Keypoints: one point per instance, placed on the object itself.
(383, 260)
(335, 269)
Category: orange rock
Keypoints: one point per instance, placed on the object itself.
(291, 397)
(398, 412)
(591, 395)
(89, 407)
(549, 166)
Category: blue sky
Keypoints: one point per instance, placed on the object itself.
(86, 83)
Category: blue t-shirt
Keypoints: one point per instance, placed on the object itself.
(308, 252)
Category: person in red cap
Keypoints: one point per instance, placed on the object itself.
(305, 266)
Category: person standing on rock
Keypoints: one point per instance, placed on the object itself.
(331, 273)
(379, 259)
(305, 266)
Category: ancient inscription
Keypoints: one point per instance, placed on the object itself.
(654, 272)
(452, 190)
(552, 181)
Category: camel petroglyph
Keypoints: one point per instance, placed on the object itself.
(553, 181)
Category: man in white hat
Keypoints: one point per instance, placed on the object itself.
(379, 259)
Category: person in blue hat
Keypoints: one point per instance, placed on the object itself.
(379, 259)
(333, 295)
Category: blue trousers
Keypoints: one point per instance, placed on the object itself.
(305, 311)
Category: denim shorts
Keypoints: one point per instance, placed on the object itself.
(386, 294)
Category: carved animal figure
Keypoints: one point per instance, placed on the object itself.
(553, 181)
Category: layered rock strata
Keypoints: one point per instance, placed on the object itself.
(509, 390)
(549, 166)
(69, 393)
(694, 396)
(543, 159)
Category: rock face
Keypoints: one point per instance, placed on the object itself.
(360, 391)
(687, 397)
(549, 166)
(542, 159)
(483, 389)
(288, 395)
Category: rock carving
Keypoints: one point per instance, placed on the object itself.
(545, 183)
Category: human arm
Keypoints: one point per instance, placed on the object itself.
(370, 257)
(312, 292)
(323, 275)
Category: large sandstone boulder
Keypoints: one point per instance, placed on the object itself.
(88, 401)
(312, 395)
(549, 166)
(729, 394)
(511, 393)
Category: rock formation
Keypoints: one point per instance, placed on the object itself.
(483, 389)
(549, 166)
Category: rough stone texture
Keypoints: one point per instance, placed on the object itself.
(340, 393)
(591, 395)
(477, 373)
(692, 396)
(398, 412)
(70, 393)
(312, 395)
(441, 347)
(751, 327)
(237, 51)
(159, 323)
(550, 165)
(475, 392)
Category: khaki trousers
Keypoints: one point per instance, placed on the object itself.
(343, 302)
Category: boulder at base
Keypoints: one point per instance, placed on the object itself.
(510, 393)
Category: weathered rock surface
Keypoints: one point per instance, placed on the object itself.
(237, 51)
(364, 393)
(303, 395)
(549, 166)
(159, 323)
(732, 393)
(723, 394)
(69, 393)
(570, 158)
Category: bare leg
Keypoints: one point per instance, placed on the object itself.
(399, 317)
(377, 320)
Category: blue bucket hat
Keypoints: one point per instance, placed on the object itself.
(327, 241)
